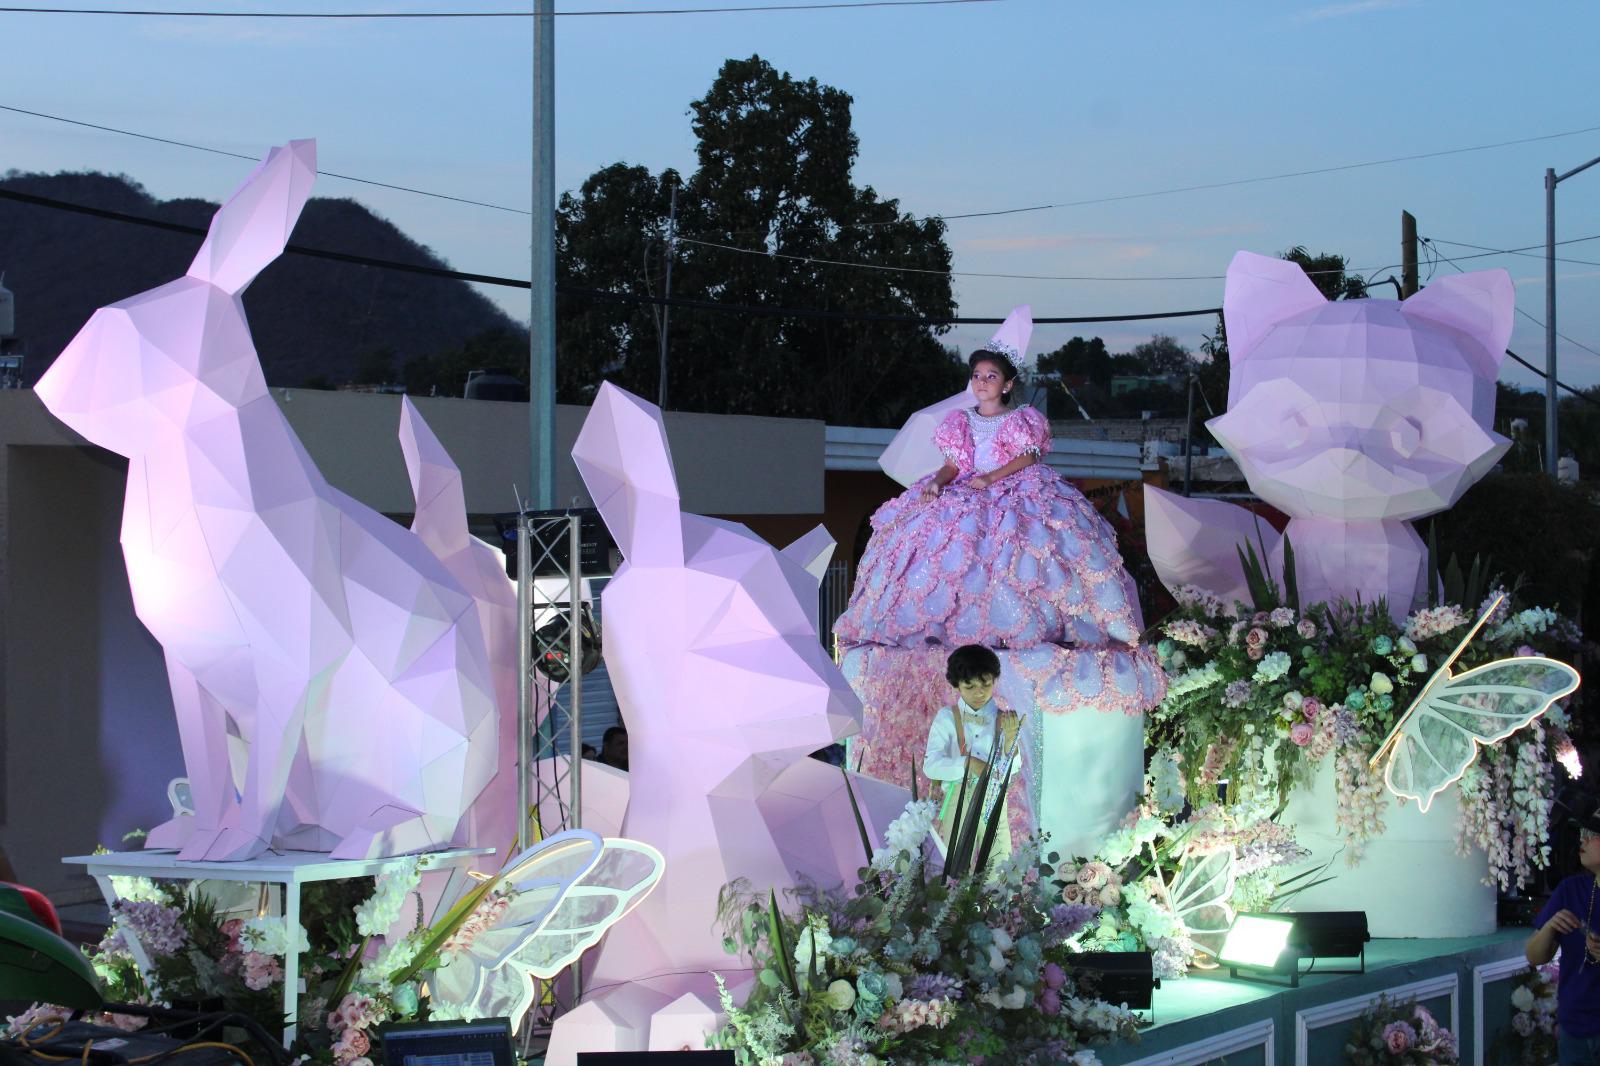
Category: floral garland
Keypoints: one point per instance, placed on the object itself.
(1404, 1034)
(1260, 699)
(916, 967)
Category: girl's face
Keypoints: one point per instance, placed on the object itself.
(988, 382)
(976, 692)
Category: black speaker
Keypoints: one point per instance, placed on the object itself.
(1118, 976)
(597, 552)
(552, 644)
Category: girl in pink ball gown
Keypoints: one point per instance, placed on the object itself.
(994, 548)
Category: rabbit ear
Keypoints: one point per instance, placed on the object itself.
(813, 551)
(252, 228)
(622, 456)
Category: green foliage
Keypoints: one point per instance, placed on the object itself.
(1548, 529)
(775, 155)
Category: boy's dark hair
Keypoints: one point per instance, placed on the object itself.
(605, 738)
(971, 662)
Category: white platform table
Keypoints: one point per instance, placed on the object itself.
(291, 869)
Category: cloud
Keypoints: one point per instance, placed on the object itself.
(1538, 279)
(1357, 7)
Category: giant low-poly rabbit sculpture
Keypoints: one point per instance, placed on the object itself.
(1353, 417)
(329, 669)
(711, 644)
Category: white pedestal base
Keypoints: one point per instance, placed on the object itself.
(1410, 880)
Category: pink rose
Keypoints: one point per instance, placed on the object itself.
(1300, 733)
(1073, 893)
(1255, 638)
(1307, 628)
(1094, 874)
(1256, 651)
(1310, 708)
(1110, 896)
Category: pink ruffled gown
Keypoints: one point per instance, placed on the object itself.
(1025, 566)
(1023, 562)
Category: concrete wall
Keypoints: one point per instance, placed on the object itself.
(87, 738)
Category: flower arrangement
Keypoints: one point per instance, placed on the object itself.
(1404, 1034)
(1170, 879)
(968, 964)
(1533, 1016)
(202, 953)
(1261, 698)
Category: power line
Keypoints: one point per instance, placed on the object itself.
(254, 159)
(839, 5)
(598, 294)
(1520, 311)
(1236, 181)
(1526, 250)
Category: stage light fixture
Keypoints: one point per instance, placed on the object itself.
(1126, 977)
(1261, 944)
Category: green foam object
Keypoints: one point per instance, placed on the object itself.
(38, 966)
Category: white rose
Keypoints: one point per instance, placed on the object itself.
(1522, 998)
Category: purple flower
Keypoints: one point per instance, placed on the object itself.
(1054, 976)
(155, 926)
(930, 986)
(1050, 1001)
(1399, 1037)
(1066, 919)
(1237, 694)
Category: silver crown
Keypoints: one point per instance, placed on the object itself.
(1000, 347)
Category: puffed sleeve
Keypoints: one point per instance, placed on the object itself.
(1025, 431)
(951, 438)
(943, 761)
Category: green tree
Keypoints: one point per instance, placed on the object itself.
(1327, 272)
(774, 155)
(1162, 354)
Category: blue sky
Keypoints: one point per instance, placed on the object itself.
(958, 108)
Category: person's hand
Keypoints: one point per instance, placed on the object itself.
(1563, 923)
(980, 481)
(1008, 728)
(930, 491)
(975, 765)
(1591, 947)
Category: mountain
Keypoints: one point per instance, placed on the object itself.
(314, 320)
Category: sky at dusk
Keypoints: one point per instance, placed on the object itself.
(960, 108)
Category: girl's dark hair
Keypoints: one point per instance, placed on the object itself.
(971, 662)
(1008, 369)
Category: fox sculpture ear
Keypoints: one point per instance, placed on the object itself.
(253, 227)
(1481, 304)
(1260, 292)
(622, 455)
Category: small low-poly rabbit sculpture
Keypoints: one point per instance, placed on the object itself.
(330, 671)
(711, 643)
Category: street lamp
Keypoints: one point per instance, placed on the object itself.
(1551, 180)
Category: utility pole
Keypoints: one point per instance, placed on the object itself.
(1188, 441)
(666, 308)
(1408, 255)
(542, 313)
(1551, 439)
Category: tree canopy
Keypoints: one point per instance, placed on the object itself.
(773, 176)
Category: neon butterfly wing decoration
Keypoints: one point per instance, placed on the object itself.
(1439, 735)
(565, 893)
(1199, 896)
